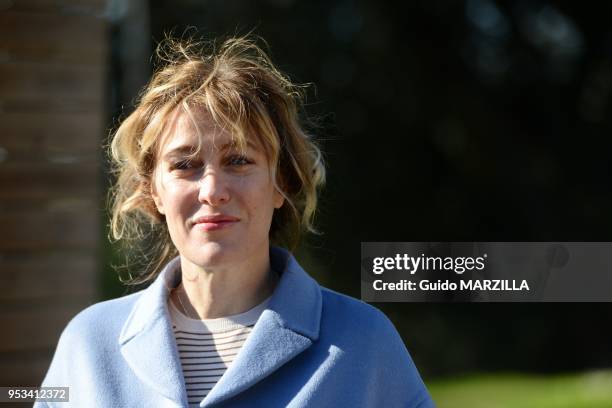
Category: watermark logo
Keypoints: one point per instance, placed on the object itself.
(486, 271)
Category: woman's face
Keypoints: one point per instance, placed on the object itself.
(219, 204)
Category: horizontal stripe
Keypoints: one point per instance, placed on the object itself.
(209, 354)
(197, 357)
(208, 349)
(200, 381)
(197, 399)
(205, 364)
(199, 394)
(209, 334)
(196, 365)
(190, 351)
(222, 352)
(209, 373)
(208, 342)
(199, 369)
(212, 371)
(194, 385)
(208, 359)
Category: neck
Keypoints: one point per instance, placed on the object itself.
(224, 290)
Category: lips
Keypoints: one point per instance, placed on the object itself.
(215, 222)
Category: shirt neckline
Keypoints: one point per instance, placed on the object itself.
(221, 324)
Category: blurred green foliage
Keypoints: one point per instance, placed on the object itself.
(591, 389)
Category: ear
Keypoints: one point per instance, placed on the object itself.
(279, 200)
(278, 186)
(154, 194)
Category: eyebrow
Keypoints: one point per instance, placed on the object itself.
(189, 149)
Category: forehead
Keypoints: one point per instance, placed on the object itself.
(194, 127)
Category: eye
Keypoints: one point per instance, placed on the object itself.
(184, 165)
(238, 160)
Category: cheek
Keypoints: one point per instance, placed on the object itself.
(258, 198)
(263, 203)
(178, 200)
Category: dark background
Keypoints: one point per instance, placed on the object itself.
(442, 121)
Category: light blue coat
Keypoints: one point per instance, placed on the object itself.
(311, 347)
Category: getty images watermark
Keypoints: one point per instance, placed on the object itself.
(486, 271)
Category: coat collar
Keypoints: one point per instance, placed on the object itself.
(287, 327)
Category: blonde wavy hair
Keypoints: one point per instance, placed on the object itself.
(243, 92)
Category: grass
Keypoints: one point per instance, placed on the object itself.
(585, 390)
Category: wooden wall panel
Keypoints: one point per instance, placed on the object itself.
(18, 368)
(37, 181)
(50, 38)
(49, 230)
(52, 276)
(53, 70)
(44, 133)
(35, 328)
(51, 87)
(64, 7)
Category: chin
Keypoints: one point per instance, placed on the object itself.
(216, 253)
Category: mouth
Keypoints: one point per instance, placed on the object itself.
(215, 222)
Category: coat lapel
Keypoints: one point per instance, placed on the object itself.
(147, 340)
(287, 327)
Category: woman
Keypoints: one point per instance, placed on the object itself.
(214, 161)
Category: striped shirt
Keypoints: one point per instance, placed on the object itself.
(208, 347)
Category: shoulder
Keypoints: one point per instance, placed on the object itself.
(99, 320)
(370, 330)
(372, 344)
(89, 341)
(338, 306)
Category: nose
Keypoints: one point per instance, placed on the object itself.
(213, 189)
